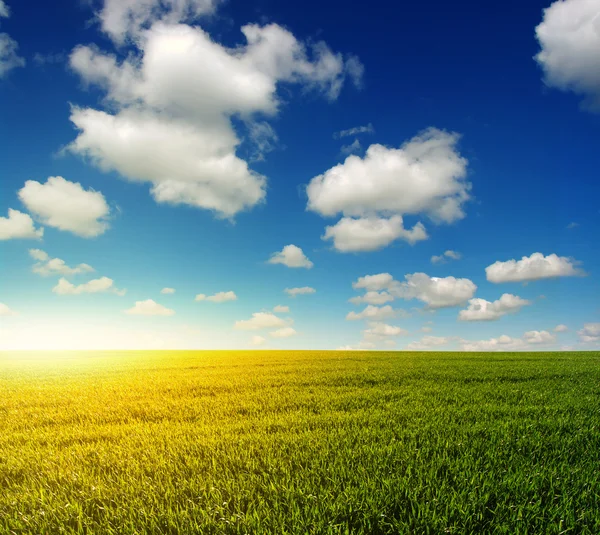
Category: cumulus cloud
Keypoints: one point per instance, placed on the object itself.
(569, 39)
(47, 266)
(372, 313)
(381, 281)
(261, 320)
(507, 343)
(589, 333)
(372, 298)
(18, 226)
(350, 235)
(561, 328)
(281, 308)
(429, 343)
(258, 340)
(170, 104)
(482, 310)
(149, 307)
(103, 284)
(426, 175)
(367, 129)
(6, 311)
(284, 332)
(379, 329)
(535, 267)
(444, 257)
(167, 291)
(293, 292)
(67, 206)
(292, 257)
(435, 292)
(220, 297)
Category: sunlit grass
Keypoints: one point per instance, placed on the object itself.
(299, 442)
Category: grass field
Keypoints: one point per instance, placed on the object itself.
(300, 442)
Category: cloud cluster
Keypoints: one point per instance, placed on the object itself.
(535, 267)
(66, 206)
(47, 266)
(569, 39)
(18, 226)
(220, 297)
(482, 310)
(170, 103)
(291, 256)
(9, 58)
(425, 176)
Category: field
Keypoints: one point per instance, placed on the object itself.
(299, 442)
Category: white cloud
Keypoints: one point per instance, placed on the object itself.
(293, 292)
(368, 129)
(258, 340)
(149, 307)
(103, 284)
(351, 235)
(284, 332)
(535, 267)
(426, 329)
(261, 320)
(167, 291)
(174, 101)
(9, 58)
(220, 297)
(361, 346)
(572, 225)
(372, 313)
(6, 311)
(428, 343)
(372, 298)
(379, 329)
(281, 308)
(560, 328)
(482, 310)
(67, 206)
(4, 10)
(441, 259)
(425, 176)
(353, 148)
(381, 281)
(569, 39)
(435, 292)
(47, 266)
(292, 257)
(590, 333)
(18, 226)
(507, 343)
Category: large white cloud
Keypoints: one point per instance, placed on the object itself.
(373, 313)
(350, 235)
(425, 176)
(535, 267)
(304, 290)
(149, 307)
(482, 310)
(262, 320)
(18, 226)
(590, 332)
(67, 206)
(219, 297)
(569, 37)
(9, 58)
(291, 256)
(175, 98)
(103, 284)
(46, 266)
(435, 292)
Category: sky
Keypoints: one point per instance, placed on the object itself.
(228, 174)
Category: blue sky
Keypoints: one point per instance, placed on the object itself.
(183, 144)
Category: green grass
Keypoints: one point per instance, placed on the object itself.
(300, 442)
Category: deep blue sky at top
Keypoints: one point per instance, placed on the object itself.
(464, 66)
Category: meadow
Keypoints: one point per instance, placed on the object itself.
(299, 443)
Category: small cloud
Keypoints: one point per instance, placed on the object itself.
(149, 308)
(589, 333)
(220, 297)
(292, 257)
(281, 309)
(284, 332)
(293, 292)
(560, 328)
(368, 129)
(535, 267)
(258, 340)
(47, 266)
(103, 284)
(372, 313)
(167, 291)
(261, 320)
(353, 148)
(6, 311)
(18, 226)
(444, 257)
(482, 310)
(49, 59)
